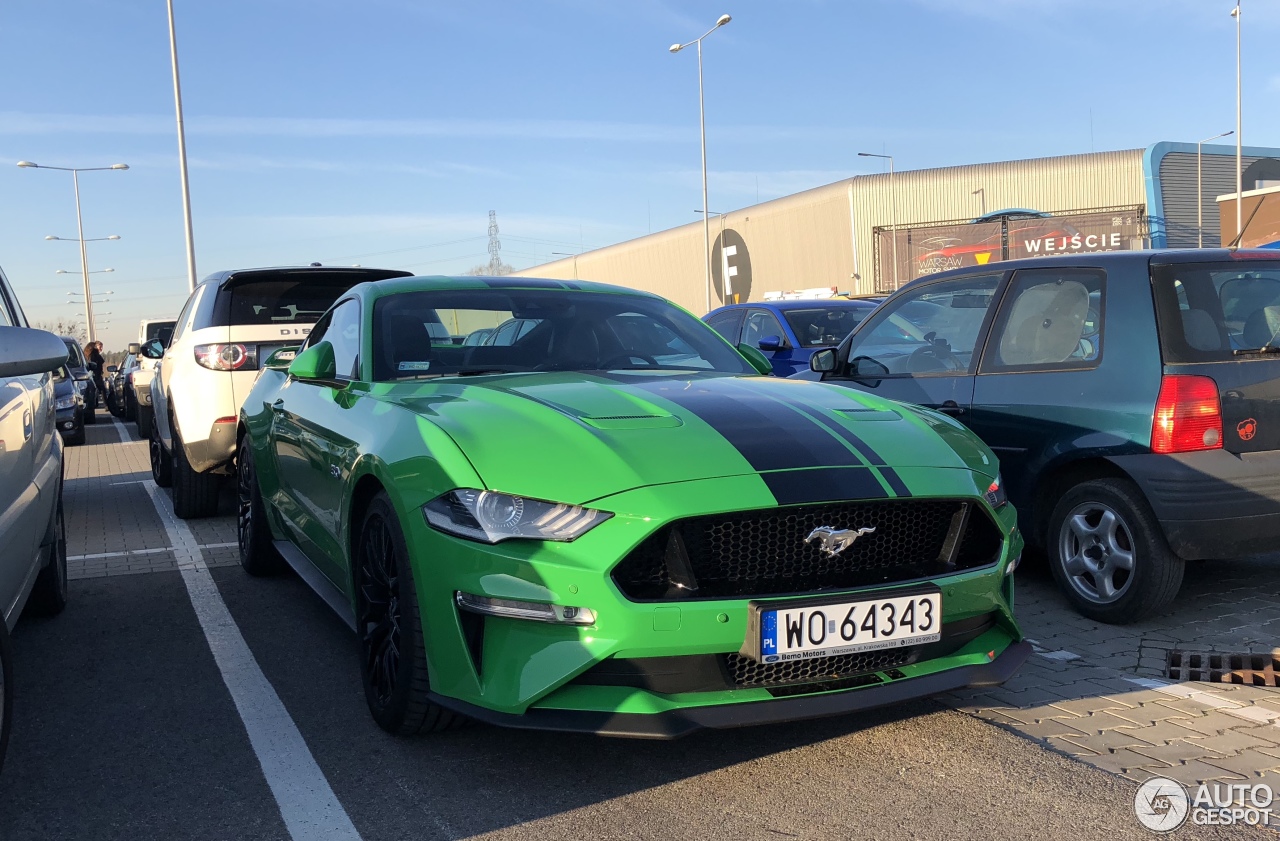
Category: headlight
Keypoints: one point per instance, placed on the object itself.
(68, 402)
(491, 517)
(995, 493)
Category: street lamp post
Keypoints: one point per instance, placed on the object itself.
(84, 259)
(893, 204)
(182, 155)
(1235, 13)
(702, 122)
(1200, 189)
(568, 254)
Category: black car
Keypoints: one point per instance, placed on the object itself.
(1133, 399)
(70, 406)
(82, 376)
(119, 397)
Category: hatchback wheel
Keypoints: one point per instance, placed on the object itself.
(49, 593)
(1108, 554)
(194, 494)
(161, 461)
(253, 534)
(393, 657)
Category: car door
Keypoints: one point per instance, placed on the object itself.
(1037, 393)
(20, 525)
(762, 324)
(313, 434)
(922, 345)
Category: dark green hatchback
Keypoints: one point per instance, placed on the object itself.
(1133, 399)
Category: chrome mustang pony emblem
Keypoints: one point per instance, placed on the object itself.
(832, 542)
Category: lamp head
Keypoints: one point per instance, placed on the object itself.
(119, 166)
(114, 236)
(25, 164)
(51, 236)
(1235, 13)
(723, 20)
(675, 48)
(106, 293)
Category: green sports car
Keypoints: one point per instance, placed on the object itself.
(599, 516)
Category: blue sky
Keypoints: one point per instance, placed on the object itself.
(382, 132)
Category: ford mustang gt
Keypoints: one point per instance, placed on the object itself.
(608, 520)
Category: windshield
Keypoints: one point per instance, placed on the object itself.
(445, 333)
(1208, 311)
(824, 326)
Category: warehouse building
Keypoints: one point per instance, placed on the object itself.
(872, 233)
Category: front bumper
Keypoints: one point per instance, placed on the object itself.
(1212, 504)
(70, 421)
(674, 723)
(511, 668)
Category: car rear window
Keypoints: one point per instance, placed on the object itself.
(824, 326)
(1209, 311)
(292, 301)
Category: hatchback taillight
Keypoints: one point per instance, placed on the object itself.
(1188, 415)
(229, 357)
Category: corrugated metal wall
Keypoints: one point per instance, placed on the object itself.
(805, 240)
(1178, 190)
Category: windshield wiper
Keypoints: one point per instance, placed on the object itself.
(481, 371)
(1267, 348)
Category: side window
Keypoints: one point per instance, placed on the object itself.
(180, 326)
(1051, 319)
(10, 314)
(929, 331)
(727, 324)
(761, 323)
(344, 334)
(317, 331)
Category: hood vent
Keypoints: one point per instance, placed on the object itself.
(632, 421)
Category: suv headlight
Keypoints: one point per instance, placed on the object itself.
(68, 402)
(491, 517)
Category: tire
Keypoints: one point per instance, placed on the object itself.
(161, 461)
(6, 690)
(195, 495)
(253, 535)
(130, 405)
(393, 657)
(49, 593)
(76, 438)
(146, 420)
(1109, 555)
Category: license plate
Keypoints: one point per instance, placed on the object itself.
(826, 630)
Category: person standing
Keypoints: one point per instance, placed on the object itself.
(93, 354)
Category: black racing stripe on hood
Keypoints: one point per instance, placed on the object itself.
(748, 422)
(796, 487)
(890, 475)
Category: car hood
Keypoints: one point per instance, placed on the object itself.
(573, 437)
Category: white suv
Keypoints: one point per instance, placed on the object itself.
(138, 398)
(230, 325)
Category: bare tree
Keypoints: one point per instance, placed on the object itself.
(486, 270)
(64, 327)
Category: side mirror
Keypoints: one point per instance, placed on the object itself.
(111, 369)
(823, 361)
(281, 359)
(25, 352)
(315, 363)
(153, 349)
(866, 368)
(134, 348)
(757, 359)
(771, 343)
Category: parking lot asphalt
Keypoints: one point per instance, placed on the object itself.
(127, 726)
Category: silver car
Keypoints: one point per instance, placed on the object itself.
(33, 565)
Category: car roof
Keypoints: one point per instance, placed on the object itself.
(235, 276)
(805, 303)
(1109, 259)
(432, 283)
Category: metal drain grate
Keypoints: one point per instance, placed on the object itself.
(1224, 667)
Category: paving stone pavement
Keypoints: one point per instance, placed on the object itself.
(1095, 692)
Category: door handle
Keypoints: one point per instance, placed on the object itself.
(28, 428)
(952, 408)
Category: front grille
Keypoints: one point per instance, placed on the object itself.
(762, 553)
(746, 672)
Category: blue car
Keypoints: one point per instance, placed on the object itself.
(789, 331)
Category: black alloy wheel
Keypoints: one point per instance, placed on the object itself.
(49, 593)
(253, 535)
(393, 659)
(161, 461)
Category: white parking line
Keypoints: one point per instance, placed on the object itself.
(307, 803)
(101, 555)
